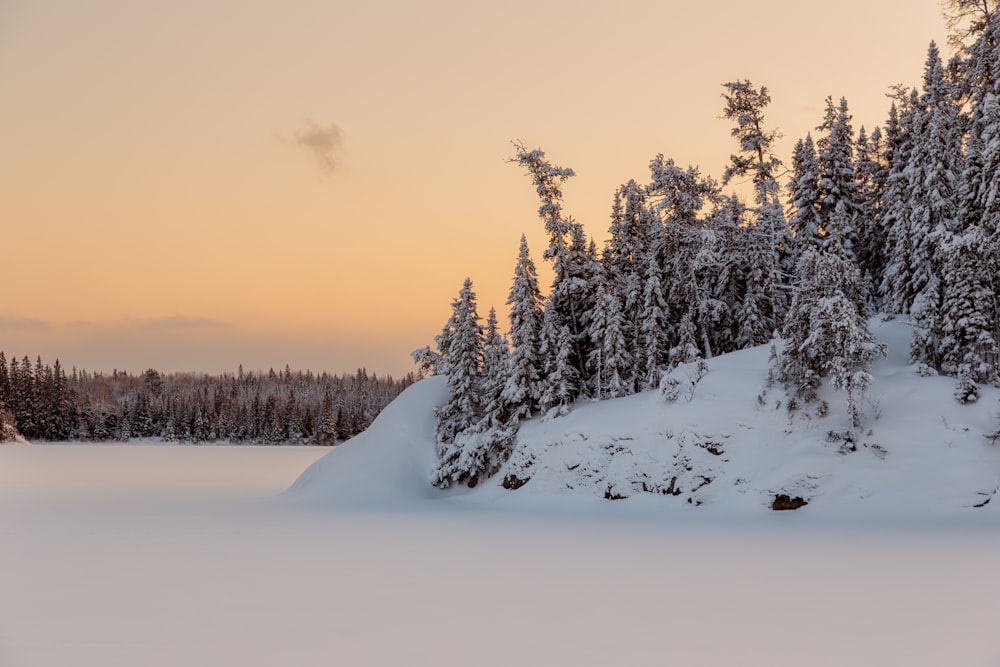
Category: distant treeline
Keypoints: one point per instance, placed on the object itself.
(270, 408)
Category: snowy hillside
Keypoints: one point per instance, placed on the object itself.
(725, 444)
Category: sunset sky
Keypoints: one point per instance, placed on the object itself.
(196, 184)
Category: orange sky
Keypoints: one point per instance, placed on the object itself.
(163, 202)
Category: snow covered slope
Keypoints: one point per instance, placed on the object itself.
(725, 444)
(387, 464)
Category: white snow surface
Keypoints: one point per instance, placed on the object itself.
(166, 555)
(724, 446)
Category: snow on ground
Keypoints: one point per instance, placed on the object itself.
(726, 444)
(116, 556)
(165, 555)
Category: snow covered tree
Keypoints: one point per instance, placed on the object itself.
(826, 332)
(837, 189)
(326, 425)
(463, 409)
(610, 359)
(630, 261)
(486, 445)
(653, 323)
(718, 267)
(929, 197)
(523, 387)
(758, 313)
(902, 132)
(567, 250)
(930, 214)
(495, 371)
(804, 198)
(968, 345)
(583, 275)
(852, 350)
(871, 174)
(936, 166)
(745, 105)
(926, 312)
(770, 240)
(8, 431)
(678, 196)
(561, 384)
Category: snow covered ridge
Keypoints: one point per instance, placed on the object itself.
(723, 443)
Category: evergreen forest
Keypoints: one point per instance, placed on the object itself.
(901, 219)
(44, 403)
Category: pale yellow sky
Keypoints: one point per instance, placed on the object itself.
(157, 209)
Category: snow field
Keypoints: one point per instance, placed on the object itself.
(166, 570)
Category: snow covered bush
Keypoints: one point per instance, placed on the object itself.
(682, 380)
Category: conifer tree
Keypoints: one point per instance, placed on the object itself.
(486, 445)
(871, 174)
(495, 371)
(610, 359)
(837, 189)
(968, 346)
(902, 131)
(463, 408)
(567, 250)
(770, 241)
(826, 332)
(326, 426)
(804, 198)
(522, 390)
(4, 383)
(631, 259)
(561, 385)
(584, 274)
(653, 324)
(678, 195)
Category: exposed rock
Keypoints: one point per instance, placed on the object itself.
(783, 501)
(513, 482)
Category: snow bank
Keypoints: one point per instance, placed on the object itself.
(724, 444)
(388, 464)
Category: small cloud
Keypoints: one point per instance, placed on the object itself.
(185, 322)
(324, 142)
(21, 323)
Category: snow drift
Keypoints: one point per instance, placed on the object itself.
(725, 442)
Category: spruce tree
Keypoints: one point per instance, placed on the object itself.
(902, 132)
(522, 390)
(653, 323)
(871, 174)
(610, 359)
(488, 444)
(968, 346)
(678, 196)
(826, 332)
(561, 385)
(463, 409)
(4, 383)
(495, 371)
(837, 189)
(804, 198)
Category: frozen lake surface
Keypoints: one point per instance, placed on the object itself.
(155, 556)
